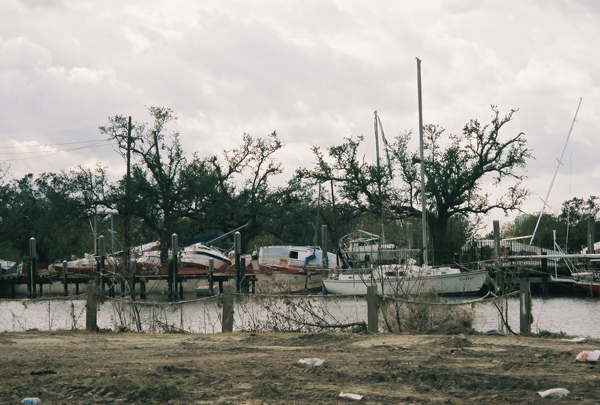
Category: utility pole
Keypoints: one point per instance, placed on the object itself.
(423, 196)
(127, 257)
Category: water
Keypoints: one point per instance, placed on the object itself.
(573, 316)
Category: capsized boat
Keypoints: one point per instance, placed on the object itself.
(86, 266)
(193, 259)
(406, 279)
(289, 260)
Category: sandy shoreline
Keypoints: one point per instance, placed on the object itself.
(249, 368)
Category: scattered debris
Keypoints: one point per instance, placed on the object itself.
(354, 397)
(43, 371)
(312, 362)
(554, 393)
(588, 356)
(495, 332)
(575, 340)
(31, 401)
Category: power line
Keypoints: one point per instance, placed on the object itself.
(52, 133)
(97, 145)
(95, 142)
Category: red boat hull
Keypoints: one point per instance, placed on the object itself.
(592, 287)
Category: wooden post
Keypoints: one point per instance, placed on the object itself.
(211, 271)
(496, 240)
(525, 313)
(91, 307)
(228, 309)
(101, 255)
(372, 309)
(324, 237)
(237, 241)
(174, 254)
(132, 270)
(31, 286)
(545, 273)
(244, 287)
(143, 288)
(65, 275)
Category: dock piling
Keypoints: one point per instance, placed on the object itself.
(31, 285)
(228, 308)
(211, 270)
(91, 307)
(525, 310)
(372, 309)
(65, 268)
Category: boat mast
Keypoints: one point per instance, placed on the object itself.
(382, 240)
(377, 143)
(423, 208)
(553, 178)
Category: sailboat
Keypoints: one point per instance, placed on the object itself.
(405, 277)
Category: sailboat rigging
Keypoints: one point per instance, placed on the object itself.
(403, 276)
(555, 172)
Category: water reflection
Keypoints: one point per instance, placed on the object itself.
(573, 316)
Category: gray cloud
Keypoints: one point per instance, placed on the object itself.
(313, 70)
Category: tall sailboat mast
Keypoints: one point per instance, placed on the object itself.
(423, 199)
(555, 172)
(382, 239)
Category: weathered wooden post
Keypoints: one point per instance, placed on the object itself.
(65, 267)
(372, 309)
(132, 270)
(211, 270)
(91, 307)
(525, 314)
(174, 258)
(245, 286)
(545, 274)
(324, 238)
(237, 240)
(496, 240)
(499, 271)
(228, 294)
(325, 258)
(100, 263)
(31, 286)
(143, 288)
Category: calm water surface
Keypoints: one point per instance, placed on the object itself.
(573, 316)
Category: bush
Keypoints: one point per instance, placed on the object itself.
(425, 313)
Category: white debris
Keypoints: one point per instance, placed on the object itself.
(575, 340)
(347, 395)
(554, 393)
(312, 362)
(588, 356)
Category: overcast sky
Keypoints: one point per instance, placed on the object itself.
(314, 71)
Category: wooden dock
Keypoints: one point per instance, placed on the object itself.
(111, 283)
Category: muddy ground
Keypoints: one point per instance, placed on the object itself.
(128, 368)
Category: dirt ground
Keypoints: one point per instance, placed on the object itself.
(128, 368)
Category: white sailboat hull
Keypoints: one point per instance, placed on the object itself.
(448, 284)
